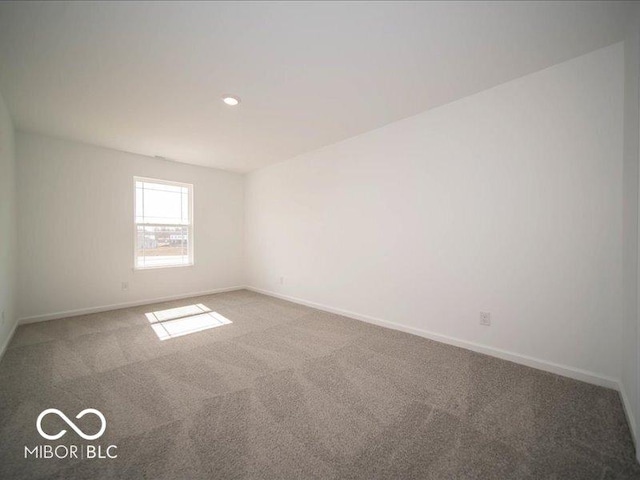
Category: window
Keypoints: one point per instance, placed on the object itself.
(163, 223)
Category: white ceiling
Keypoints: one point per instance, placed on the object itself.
(147, 77)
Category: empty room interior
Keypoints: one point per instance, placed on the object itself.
(320, 240)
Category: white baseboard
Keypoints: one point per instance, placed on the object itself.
(564, 370)
(4, 346)
(628, 410)
(116, 306)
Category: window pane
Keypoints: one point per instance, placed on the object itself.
(139, 211)
(164, 204)
(162, 246)
(185, 204)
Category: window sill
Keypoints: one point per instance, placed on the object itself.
(158, 267)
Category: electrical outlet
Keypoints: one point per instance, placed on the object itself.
(281, 280)
(485, 319)
(125, 286)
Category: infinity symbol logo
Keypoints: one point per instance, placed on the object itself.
(71, 424)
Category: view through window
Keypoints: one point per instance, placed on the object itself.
(163, 223)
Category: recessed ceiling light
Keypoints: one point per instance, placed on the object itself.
(231, 100)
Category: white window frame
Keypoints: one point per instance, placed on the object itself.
(190, 244)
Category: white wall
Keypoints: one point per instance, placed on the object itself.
(507, 201)
(76, 230)
(8, 227)
(630, 342)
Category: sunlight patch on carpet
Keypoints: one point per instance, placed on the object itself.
(176, 322)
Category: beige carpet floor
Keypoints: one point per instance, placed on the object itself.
(288, 392)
